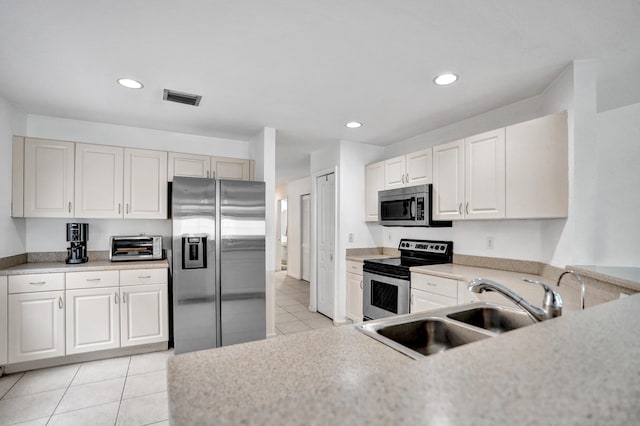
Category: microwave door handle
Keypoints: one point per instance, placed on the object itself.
(412, 208)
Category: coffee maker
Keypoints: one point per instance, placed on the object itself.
(78, 235)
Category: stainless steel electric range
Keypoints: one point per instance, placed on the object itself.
(387, 282)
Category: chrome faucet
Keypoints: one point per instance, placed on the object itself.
(551, 303)
(580, 281)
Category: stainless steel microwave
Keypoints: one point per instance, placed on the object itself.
(410, 206)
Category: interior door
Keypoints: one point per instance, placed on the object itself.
(326, 244)
(306, 235)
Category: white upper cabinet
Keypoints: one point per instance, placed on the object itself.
(230, 168)
(419, 167)
(99, 181)
(48, 178)
(373, 182)
(145, 184)
(485, 175)
(17, 180)
(189, 165)
(448, 180)
(537, 175)
(468, 178)
(394, 172)
(409, 170)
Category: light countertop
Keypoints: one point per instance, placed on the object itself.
(623, 276)
(582, 368)
(363, 257)
(97, 265)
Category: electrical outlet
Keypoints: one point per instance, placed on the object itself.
(350, 237)
(490, 243)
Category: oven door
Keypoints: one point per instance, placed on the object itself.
(384, 296)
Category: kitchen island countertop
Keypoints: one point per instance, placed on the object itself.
(582, 368)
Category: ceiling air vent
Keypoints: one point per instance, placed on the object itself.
(181, 97)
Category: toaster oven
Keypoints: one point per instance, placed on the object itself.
(141, 247)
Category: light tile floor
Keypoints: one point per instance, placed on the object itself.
(292, 306)
(130, 390)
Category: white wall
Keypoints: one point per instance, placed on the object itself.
(618, 190)
(263, 150)
(295, 191)
(12, 231)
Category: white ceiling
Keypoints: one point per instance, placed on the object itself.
(305, 67)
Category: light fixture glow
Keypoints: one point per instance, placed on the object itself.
(130, 83)
(444, 79)
(353, 124)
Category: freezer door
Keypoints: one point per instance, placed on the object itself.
(242, 261)
(194, 289)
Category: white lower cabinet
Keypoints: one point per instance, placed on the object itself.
(143, 314)
(36, 325)
(93, 319)
(354, 290)
(431, 292)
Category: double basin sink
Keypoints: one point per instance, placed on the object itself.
(425, 333)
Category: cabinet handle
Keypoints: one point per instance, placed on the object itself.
(207, 174)
(466, 208)
(119, 208)
(93, 279)
(124, 297)
(402, 178)
(69, 206)
(127, 208)
(60, 303)
(116, 298)
(407, 177)
(38, 283)
(144, 277)
(460, 208)
(360, 284)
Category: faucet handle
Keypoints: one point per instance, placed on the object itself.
(552, 300)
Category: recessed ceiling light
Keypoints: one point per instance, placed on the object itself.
(130, 83)
(444, 79)
(353, 124)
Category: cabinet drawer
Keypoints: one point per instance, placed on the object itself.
(354, 267)
(443, 286)
(143, 276)
(92, 279)
(36, 282)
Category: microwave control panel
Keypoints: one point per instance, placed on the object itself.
(420, 208)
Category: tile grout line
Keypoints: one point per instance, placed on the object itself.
(12, 386)
(63, 395)
(126, 376)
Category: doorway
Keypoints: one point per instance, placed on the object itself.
(305, 240)
(325, 214)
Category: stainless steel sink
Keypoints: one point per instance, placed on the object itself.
(493, 318)
(427, 333)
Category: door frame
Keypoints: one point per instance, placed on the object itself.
(313, 284)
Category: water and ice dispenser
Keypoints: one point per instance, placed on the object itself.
(194, 252)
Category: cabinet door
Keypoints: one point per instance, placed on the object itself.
(3, 321)
(394, 172)
(17, 177)
(189, 165)
(36, 325)
(92, 319)
(144, 315)
(485, 175)
(537, 168)
(420, 167)
(424, 301)
(99, 181)
(448, 181)
(145, 184)
(373, 182)
(230, 168)
(354, 297)
(48, 178)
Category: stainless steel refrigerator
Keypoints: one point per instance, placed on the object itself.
(218, 262)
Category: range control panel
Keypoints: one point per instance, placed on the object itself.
(439, 247)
